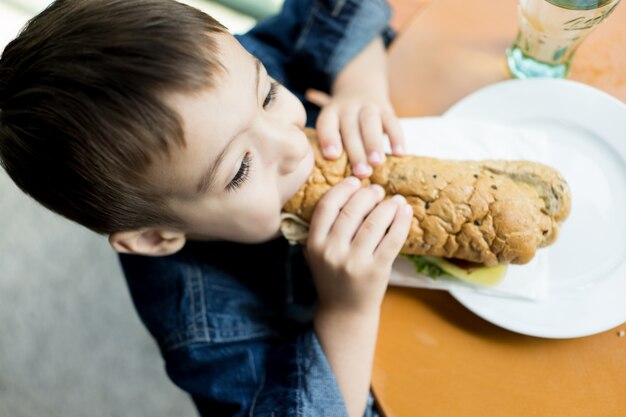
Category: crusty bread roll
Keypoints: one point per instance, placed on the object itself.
(487, 212)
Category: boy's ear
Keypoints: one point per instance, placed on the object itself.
(150, 242)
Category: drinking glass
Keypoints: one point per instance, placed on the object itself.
(550, 32)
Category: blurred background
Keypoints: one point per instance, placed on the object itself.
(71, 343)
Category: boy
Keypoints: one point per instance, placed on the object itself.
(146, 121)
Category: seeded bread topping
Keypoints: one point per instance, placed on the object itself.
(488, 212)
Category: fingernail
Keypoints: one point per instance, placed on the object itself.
(379, 190)
(353, 181)
(398, 149)
(375, 158)
(398, 198)
(362, 169)
(332, 151)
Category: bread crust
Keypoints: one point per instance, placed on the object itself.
(489, 212)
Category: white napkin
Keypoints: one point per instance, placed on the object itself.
(460, 139)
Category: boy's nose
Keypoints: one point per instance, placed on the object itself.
(292, 151)
(300, 121)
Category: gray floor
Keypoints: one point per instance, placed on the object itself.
(70, 341)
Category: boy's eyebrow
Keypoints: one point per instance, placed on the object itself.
(207, 181)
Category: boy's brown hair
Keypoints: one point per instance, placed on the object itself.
(82, 114)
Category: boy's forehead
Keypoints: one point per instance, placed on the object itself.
(233, 56)
(211, 117)
(233, 92)
(238, 69)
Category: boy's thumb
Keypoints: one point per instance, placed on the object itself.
(317, 97)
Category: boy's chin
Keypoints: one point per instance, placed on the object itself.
(273, 235)
(260, 237)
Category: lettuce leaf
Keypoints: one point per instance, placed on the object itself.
(424, 266)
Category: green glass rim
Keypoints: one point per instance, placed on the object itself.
(581, 4)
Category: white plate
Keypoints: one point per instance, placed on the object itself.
(587, 144)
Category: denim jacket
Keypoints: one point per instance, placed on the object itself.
(234, 321)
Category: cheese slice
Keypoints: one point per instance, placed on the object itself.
(475, 274)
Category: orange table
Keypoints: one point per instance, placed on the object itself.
(434, 357)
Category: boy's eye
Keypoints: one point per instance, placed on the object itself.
(242, 175)
(271, 95)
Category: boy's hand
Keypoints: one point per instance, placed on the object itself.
(356, 121)
(358, 112)
(353, 240)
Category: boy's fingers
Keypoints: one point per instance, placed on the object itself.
(328, 133)
(354, 211)
(319, 98)
(392, 127)
(328, 209)
(351, 133)
(375, 226)
(372, 133)
(393, 241)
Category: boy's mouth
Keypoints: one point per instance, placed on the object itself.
(301, 175)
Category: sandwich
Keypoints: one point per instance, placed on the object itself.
(470, 218)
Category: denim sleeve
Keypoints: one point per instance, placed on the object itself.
(311, 41)
(258, 378)
(237, 336)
